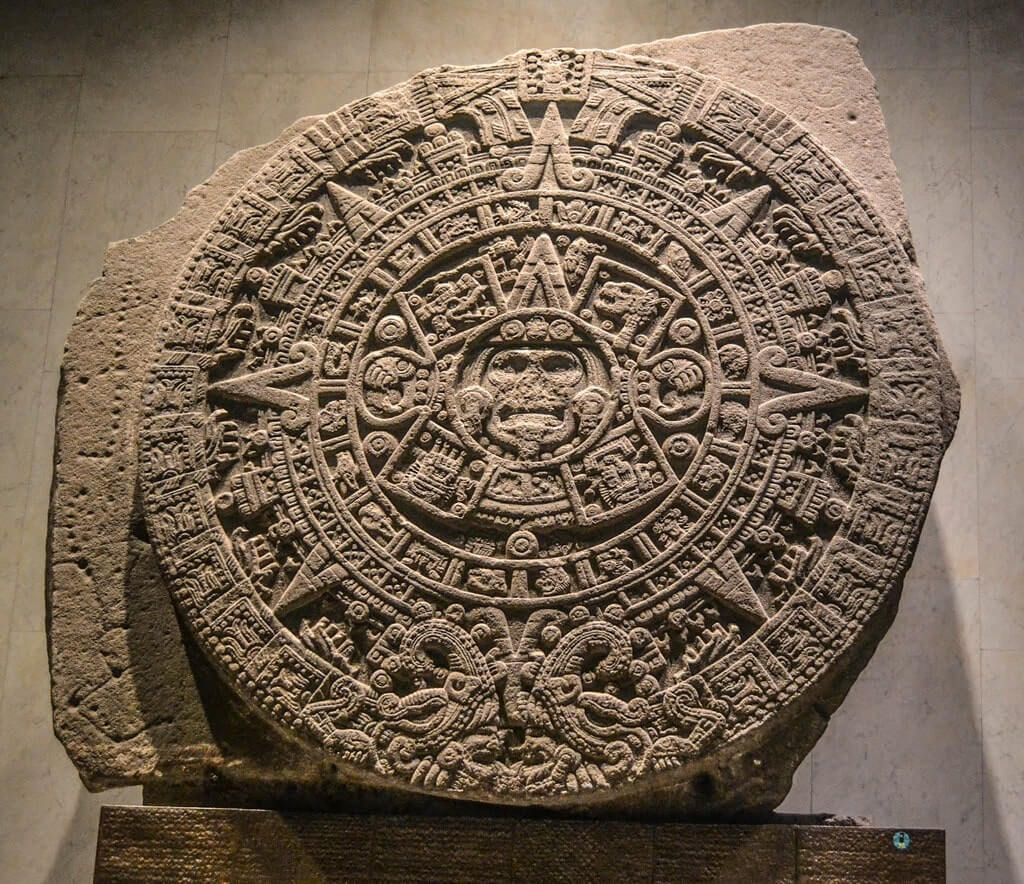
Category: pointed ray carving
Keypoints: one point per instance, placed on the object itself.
(264, 387)
(356, 213)
(318, 573)
(726, 581)
(541, 282)
(549, 165)
(808, 391)
(735, 216)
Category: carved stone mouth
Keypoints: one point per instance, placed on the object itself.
(533, 412)
(531, 428)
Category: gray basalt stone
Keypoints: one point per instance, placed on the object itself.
(550, 432)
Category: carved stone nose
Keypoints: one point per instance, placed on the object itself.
(533, 382)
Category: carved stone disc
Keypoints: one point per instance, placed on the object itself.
(543, 430)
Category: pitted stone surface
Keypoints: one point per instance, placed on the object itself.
(544, 432)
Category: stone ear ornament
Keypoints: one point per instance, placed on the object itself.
(535, 431)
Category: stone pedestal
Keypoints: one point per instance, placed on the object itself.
(150, 844)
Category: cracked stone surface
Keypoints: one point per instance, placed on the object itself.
(556, 431)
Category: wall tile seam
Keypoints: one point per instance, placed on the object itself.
(146, 132)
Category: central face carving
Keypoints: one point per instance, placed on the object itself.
(533, 393)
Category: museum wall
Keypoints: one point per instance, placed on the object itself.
(112, 112)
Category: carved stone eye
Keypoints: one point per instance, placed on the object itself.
(507, 366)
(563, 365)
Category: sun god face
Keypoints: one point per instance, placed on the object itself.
(532, 392)
(531, 389)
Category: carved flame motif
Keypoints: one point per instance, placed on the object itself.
(548, 425)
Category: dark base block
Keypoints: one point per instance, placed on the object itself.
(150, 844)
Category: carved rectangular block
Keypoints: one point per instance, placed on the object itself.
(870, 856)
(494, 440)
(157, 844)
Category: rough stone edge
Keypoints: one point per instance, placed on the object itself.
(91, 581)
(866, 162)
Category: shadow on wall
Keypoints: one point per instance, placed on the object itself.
(70, 861)
(906, 747)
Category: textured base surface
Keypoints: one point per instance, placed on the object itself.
(220, 844)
